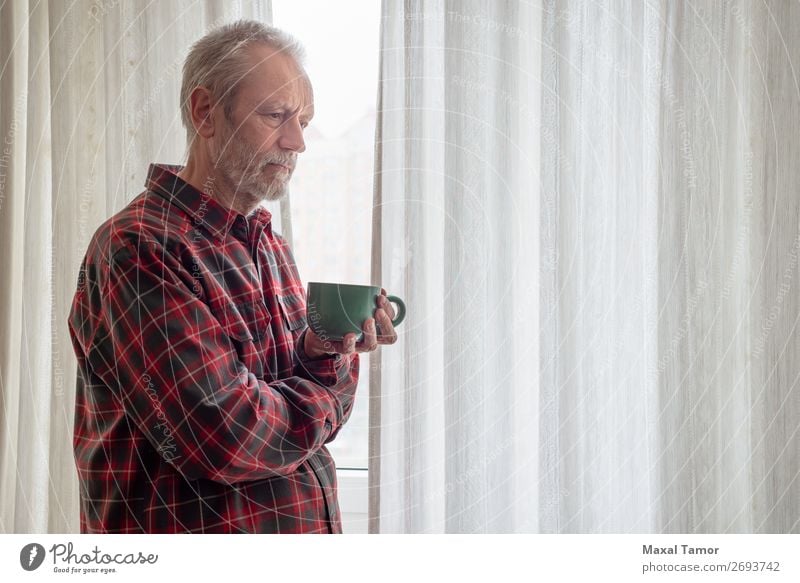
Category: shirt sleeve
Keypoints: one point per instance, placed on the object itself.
(175, 369)
(323, 370)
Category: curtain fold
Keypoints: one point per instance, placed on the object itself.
(591, 209)
(89, 96)
(456, 208)
(599, 296)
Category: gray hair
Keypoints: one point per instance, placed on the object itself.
(218, 62)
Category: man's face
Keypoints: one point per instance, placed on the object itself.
(255, 151)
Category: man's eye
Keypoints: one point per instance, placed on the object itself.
(274, 115)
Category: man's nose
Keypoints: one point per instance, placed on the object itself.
(291, 136)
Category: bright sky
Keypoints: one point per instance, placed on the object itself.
(343, 73)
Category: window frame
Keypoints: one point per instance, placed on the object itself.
(353, 493)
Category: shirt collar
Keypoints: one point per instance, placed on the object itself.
(163, 180)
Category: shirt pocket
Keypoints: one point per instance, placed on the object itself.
(293, 310)
(243, 320)
(246, 324)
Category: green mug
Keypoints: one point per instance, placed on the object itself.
(336, 309)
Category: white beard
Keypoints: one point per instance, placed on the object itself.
(246, 176)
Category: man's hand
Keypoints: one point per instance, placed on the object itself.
(384, 314)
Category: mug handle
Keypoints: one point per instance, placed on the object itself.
(401, 309)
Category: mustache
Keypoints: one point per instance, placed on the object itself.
(286, 160)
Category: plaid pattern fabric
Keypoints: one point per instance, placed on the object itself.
(196, 408)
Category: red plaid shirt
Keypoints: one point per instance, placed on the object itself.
(196, 408)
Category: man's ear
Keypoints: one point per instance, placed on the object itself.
(202, 112)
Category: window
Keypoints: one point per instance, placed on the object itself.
(331, 190)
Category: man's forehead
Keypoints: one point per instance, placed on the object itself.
(275, 77)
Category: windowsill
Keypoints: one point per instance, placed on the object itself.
(353, 499)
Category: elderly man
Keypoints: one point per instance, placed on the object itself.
(204, 402)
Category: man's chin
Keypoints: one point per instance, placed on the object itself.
(273, 194)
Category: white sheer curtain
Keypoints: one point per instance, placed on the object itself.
(88, 98)
(591, 209)
(454, 432)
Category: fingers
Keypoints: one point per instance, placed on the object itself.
(382, 322)
(386, 306)
(370, 340)
(349, 343)
(316, 347)
(346, 345)
(387, 331)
